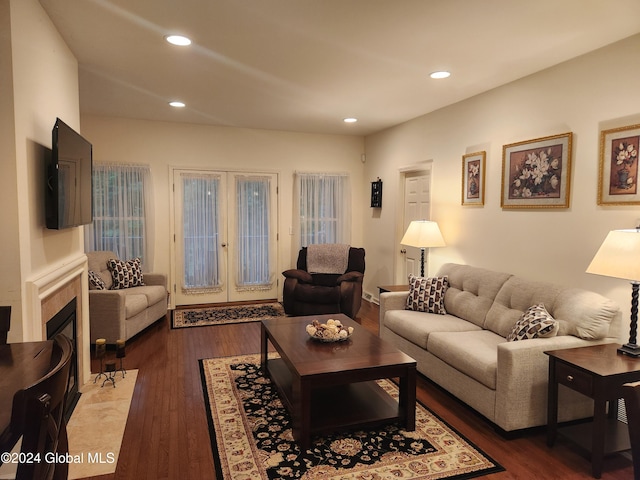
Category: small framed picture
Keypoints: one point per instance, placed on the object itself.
(537, 173)
(618, 173)
(473, 178)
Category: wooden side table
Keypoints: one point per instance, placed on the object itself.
(598, 372)
(393, 288)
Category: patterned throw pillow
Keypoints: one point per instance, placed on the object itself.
(95, 281)
(427, 294)
(536, 322)
(125, 274)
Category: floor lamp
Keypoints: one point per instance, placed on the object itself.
(619, 257)
(422, 234)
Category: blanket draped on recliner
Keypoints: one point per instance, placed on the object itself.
(327, 258)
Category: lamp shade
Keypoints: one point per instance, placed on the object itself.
(618, 256)
(423, 234)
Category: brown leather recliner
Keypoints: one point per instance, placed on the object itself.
(322, 293)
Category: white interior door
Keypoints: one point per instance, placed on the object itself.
(417, 206)
(225, 236)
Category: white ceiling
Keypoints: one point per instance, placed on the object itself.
(304, 65)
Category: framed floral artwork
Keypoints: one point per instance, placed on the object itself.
(618, 173)
(537, 173)
(473, 178)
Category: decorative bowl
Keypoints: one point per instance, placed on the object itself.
(330, 339)
(332, 331)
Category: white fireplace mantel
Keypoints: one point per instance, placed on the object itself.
(51, 291)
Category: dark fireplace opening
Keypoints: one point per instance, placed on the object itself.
(65, 322)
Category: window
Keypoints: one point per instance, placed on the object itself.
(121, 211)
(324, 208)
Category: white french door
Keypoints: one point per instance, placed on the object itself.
(253, 236)
(417, 206)
(225, 236)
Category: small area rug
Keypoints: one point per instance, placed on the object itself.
(251, 436)
(219, 315)
(97, 424)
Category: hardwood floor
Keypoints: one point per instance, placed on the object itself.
(167, 437)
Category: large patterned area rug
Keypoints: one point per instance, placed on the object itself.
(218, 315)
(251, 437)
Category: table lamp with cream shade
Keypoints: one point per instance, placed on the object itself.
(422, 234)
(619, 257)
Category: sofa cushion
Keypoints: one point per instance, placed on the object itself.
(95, 281)
(581, 313)
(97, 262)
(585, 314)
(427, 294)
(534, 323)
(126, 274)
(514, 298)
(154, 293)
(325, 279)
(471, 291)
(135, 303)
(107, 279)
(307, 293)
(417, 326)
(473, 353)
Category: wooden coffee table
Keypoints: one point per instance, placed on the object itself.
(331, 386)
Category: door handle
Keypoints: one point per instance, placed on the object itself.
(403, 251)
(223, 245)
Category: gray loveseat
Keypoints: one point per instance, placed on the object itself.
(466, 351)
(122, 313)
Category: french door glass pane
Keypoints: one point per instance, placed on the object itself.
(252, 200)
(201, 231)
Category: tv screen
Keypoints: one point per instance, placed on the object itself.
(69, 201)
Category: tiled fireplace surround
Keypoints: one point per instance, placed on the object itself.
(48, 294)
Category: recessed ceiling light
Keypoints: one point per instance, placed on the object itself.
(440, 74)
(177, 104)
(350, 120)
(179, 40)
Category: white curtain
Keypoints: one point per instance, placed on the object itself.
(122, 212)
(253, 194)
(323, 203)
(201, 232)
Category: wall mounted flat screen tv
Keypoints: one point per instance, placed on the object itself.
(68, 190)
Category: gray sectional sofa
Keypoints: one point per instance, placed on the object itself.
(122, 313)
(466, 351)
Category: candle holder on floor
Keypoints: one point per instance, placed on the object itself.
(101, 351)
(110, 368)
(107, 367)
(120, 353)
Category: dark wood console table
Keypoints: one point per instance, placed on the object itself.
(598, 372)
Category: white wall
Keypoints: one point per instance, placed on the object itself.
(9, 264)
(595, 91)
(163, 145)
(42, 81)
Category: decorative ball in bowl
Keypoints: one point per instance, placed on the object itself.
(332, 331)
